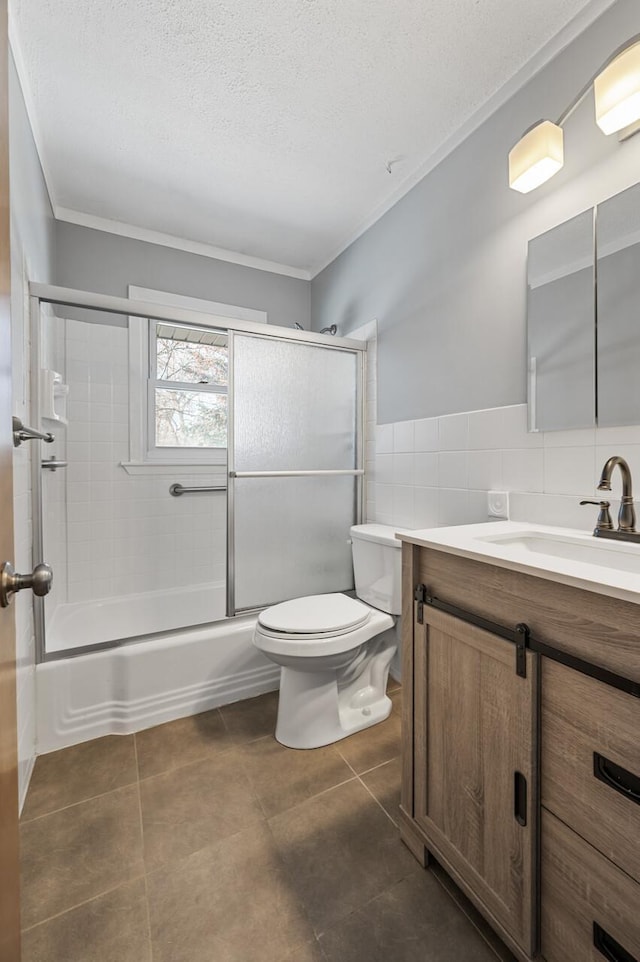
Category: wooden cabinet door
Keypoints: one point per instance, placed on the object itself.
(475, 766)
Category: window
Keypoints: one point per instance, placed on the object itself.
(187, 392)
(178, 376)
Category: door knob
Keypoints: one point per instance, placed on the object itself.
(40, 581)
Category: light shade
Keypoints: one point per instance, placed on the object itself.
(536, 157)
(617, 91)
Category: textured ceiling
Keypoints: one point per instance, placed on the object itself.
(260, 126)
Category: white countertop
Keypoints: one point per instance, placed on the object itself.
(566, 555)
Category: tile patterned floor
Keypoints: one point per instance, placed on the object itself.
(204, 840)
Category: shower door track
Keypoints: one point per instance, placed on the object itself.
(111, 304)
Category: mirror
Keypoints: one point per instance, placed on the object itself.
(618, 309)
(583, 307)
(560, 326)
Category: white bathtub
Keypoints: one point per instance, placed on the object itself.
(82, 624)
(147, 682)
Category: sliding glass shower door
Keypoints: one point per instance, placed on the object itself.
(295, 469)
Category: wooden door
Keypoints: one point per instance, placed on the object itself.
(475, 788)
(9, 877)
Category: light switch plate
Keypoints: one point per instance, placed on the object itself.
(498, 504)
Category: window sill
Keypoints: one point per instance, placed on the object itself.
(162, 469)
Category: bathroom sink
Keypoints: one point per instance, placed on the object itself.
(588, 550)
(564, 555)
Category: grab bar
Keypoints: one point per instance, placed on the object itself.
(22, 433)
(352, 472)
(177, 489)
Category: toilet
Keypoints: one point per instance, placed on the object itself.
(334, 650)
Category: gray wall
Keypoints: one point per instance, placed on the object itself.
(32, 224)
(93, 260)
(444, 271)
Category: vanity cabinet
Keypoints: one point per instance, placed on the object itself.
(475, 764)
(521, 752)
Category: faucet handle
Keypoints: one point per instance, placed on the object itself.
(604, 521)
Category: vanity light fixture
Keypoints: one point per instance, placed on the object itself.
(617, 91)
(539, 154)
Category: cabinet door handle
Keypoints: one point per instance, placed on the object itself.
(520, 798)
(607, 946)
(616, 777)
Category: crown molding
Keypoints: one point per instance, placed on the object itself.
(533, 66)
(177, 243)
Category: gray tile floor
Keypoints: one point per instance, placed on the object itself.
(204, 840)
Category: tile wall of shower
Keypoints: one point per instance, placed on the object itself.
(109, 533)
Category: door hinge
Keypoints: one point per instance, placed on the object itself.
(420, 595)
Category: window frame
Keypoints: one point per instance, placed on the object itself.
(144, 460)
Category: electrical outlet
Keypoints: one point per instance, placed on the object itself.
(498, 504)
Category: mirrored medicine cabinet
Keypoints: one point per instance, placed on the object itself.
(583, 319)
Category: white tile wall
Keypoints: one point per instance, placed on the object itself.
(114, 533)
(444, 477)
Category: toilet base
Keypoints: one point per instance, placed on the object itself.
(318, 708)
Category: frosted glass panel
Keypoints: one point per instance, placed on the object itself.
(294, 406)
(292, 538)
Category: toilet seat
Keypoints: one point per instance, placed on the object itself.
(314, 617)
(348, 623)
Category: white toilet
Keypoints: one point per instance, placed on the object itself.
(334, 650)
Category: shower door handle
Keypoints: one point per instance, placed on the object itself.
(40, 581)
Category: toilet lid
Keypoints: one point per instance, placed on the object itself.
(315, 614)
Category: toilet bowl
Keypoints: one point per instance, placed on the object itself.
(334, 651)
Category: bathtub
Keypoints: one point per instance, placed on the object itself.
(148, 681)
(82, 624)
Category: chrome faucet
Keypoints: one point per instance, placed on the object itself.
(626, 530)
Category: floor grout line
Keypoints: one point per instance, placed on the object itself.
(311, 798)
(207, 756)
(379, 803)
(375, 768)
(79, 905)
(345, 760)
(82, 801)
(144, 861)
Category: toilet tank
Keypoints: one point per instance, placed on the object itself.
(377, 566)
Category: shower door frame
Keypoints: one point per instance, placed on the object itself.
(56, 296)
(357, 472)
